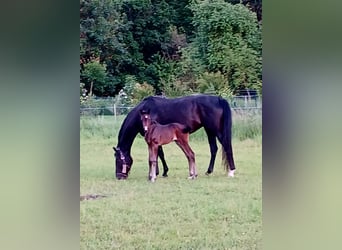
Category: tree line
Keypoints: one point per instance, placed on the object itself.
(171, 47)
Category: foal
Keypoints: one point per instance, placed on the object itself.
(157, 135)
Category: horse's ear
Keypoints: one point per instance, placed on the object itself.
(114, 148)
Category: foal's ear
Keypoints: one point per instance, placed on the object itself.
(115, 150)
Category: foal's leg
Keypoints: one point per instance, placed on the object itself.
(190, 155)
(153, 153)
(162, 158)
(213, 152)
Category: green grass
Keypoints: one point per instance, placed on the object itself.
(214, 212)
(244, 127)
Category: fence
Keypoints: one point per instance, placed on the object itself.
(240, 105)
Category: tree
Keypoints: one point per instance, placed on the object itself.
(149, 37)
(102, 30)
(228, 40)
(169, 44)
(96, 74)
(214, 83)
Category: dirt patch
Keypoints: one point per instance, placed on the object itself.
(92, 197)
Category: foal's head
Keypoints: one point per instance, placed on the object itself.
(145, 119)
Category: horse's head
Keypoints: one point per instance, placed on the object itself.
(123, 163)
(145, 119)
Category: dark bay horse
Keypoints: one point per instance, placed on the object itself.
(195, 111)
(157, 135)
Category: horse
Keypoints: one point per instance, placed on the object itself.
(157, 135)
(194, 111)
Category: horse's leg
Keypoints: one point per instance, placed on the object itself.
(229, 157)
(213, 152)
(162, 158)
(157, 167)
(190, 155)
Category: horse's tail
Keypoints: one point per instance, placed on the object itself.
(226, 140)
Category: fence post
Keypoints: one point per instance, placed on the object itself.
(114, 111)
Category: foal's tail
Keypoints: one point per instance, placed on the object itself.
(226, 140)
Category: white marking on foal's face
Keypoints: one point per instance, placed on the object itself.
(146, 127)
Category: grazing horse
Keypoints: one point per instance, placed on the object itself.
(157, 135)
(195, 111)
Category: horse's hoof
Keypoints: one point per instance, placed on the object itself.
(231, 173)
(207, 173)
(165, 175)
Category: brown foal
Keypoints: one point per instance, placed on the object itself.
(157, 134)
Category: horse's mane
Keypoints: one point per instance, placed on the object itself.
(129, 129)
(150, 98)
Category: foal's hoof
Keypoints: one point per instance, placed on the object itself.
(207, 173)
(151, 179)
(192, 177)
(165, 175)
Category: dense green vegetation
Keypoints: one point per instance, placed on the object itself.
(175, 47)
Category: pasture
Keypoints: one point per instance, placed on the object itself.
(211, 212)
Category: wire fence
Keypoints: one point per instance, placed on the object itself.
(240, 105)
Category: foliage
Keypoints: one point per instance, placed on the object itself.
(166, 71)
(175, 89)
(97, 76)
(133, 92)
(228, 40)
(247, 126)
(148, 37)
(214, 83)
(182, 16)
(170, 45)
(83, 92)
(141, 91)
(253, 5)
(102, 31)
(92, 102)
(137, 92)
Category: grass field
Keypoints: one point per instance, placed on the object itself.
(214, 212)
